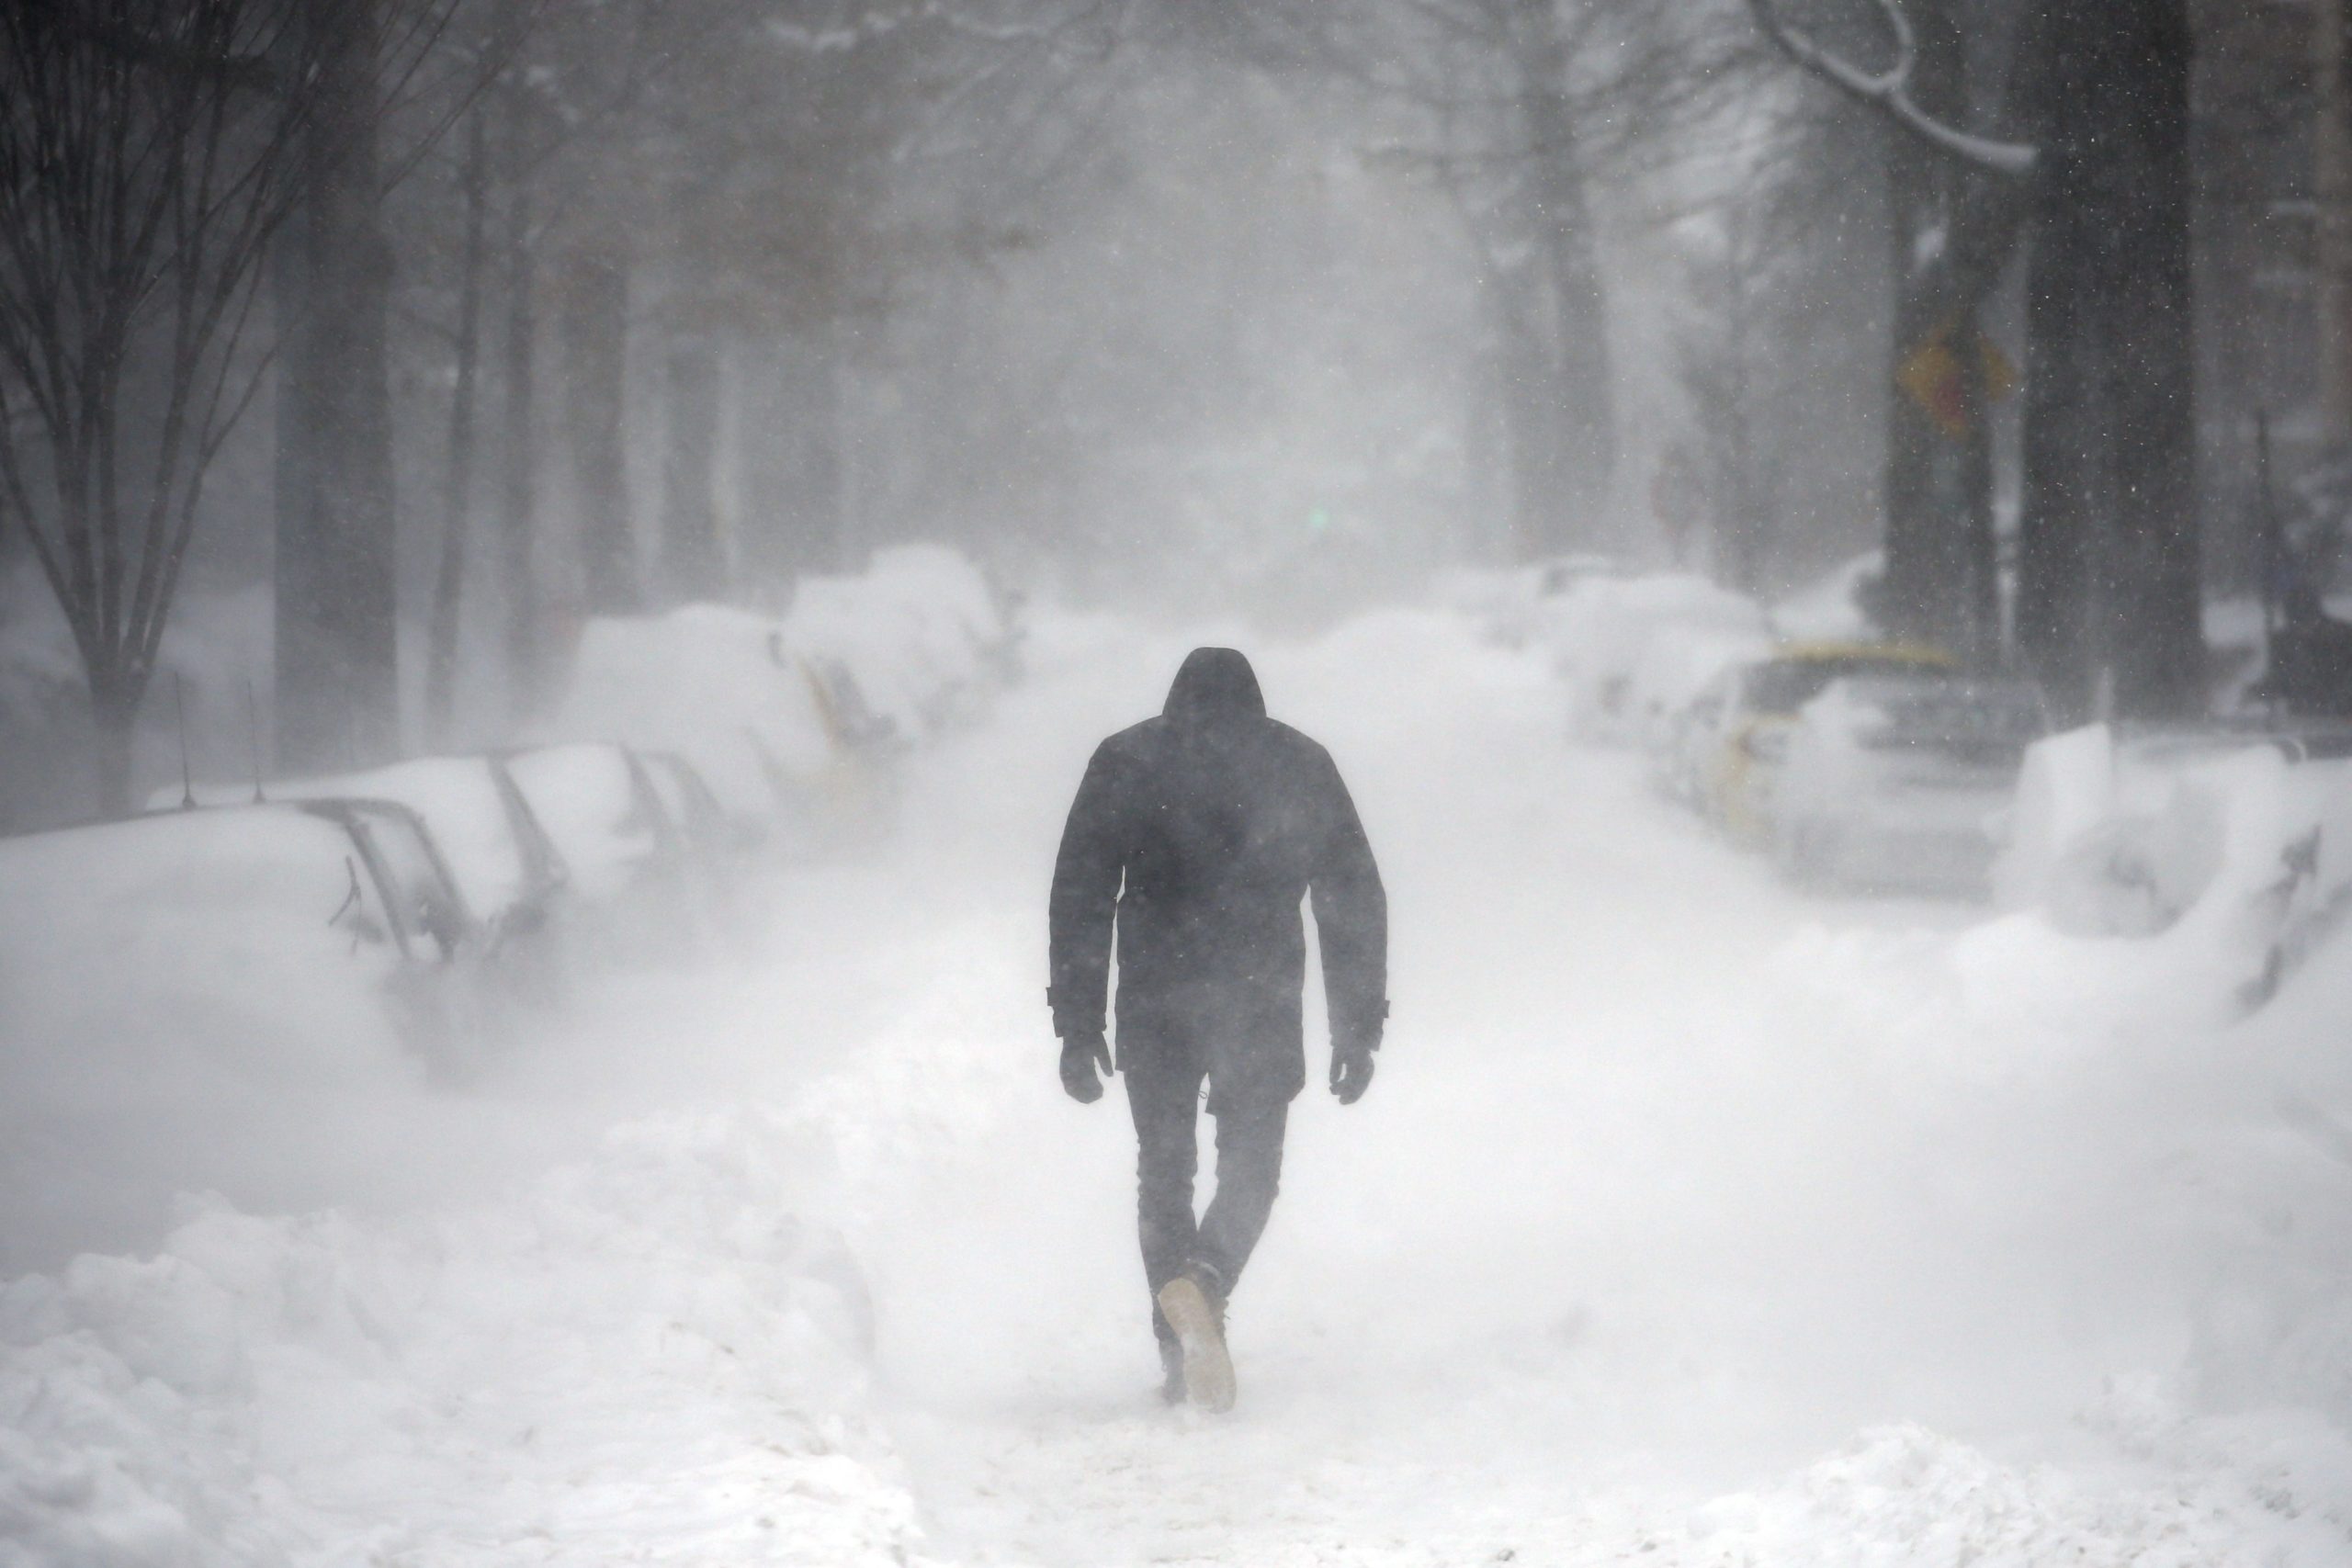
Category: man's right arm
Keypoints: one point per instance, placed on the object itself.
(1351, 916)
(1085, 899)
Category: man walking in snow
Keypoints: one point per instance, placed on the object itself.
(1196, 835)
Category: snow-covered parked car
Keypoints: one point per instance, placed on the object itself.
(712, 685)
(1597, 633)
(1678, 686)
(714, 843)
(1746, 717)
(333, 916)
(794, 723)
(687, 797)
(918, 632)
(498, 853)
(631, 865)
(1902, 780)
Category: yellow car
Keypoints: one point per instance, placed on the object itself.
(1757, 702)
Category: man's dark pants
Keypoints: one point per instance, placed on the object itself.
(1164, 1072)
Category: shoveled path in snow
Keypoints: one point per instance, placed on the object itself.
(1685, 1221)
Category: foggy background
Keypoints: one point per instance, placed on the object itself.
(1272, 309)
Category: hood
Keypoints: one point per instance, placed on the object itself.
(1215, 686)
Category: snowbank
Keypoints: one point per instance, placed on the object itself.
(2232, 853)
(646, 1344)
(1487, 597)
(163, 983)
(1908, 1494)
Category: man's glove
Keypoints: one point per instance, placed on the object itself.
(1352, 1066)
(1081, 1055)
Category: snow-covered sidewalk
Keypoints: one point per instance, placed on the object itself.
(1686, 1222)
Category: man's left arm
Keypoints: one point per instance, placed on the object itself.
(1351, 927)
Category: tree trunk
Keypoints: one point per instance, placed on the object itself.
(692, 565)
(766, 556)
(1532, 432)
(813, 511)
(1583, 450)
(518, 509)
(1486, 452)
(2055, 522)
(2108, 591)
(2331, 194)
(338, 670)
(114, 712)
(1977, 633)
(595, 329)
(789, 516)
(1939, 582)
(456, 533)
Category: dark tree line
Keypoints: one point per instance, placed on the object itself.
(546, 311)
(386, 222)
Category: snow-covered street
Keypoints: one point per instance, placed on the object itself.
(1687, 1220)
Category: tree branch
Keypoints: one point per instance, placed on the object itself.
(1889, 91)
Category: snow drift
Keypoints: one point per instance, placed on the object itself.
(267, 1392)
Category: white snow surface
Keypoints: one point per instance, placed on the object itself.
(1687, 1223)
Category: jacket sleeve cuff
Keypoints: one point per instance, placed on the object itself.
(1072, 1019)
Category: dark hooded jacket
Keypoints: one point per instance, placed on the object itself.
(1198, 834)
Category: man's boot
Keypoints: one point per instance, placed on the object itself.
(1193, 1303)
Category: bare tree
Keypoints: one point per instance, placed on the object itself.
(1533, 102)
(457, 527)
(337, 645)
(2107, 576)
(149, 152)
(1956, 205)
(1735, 368)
